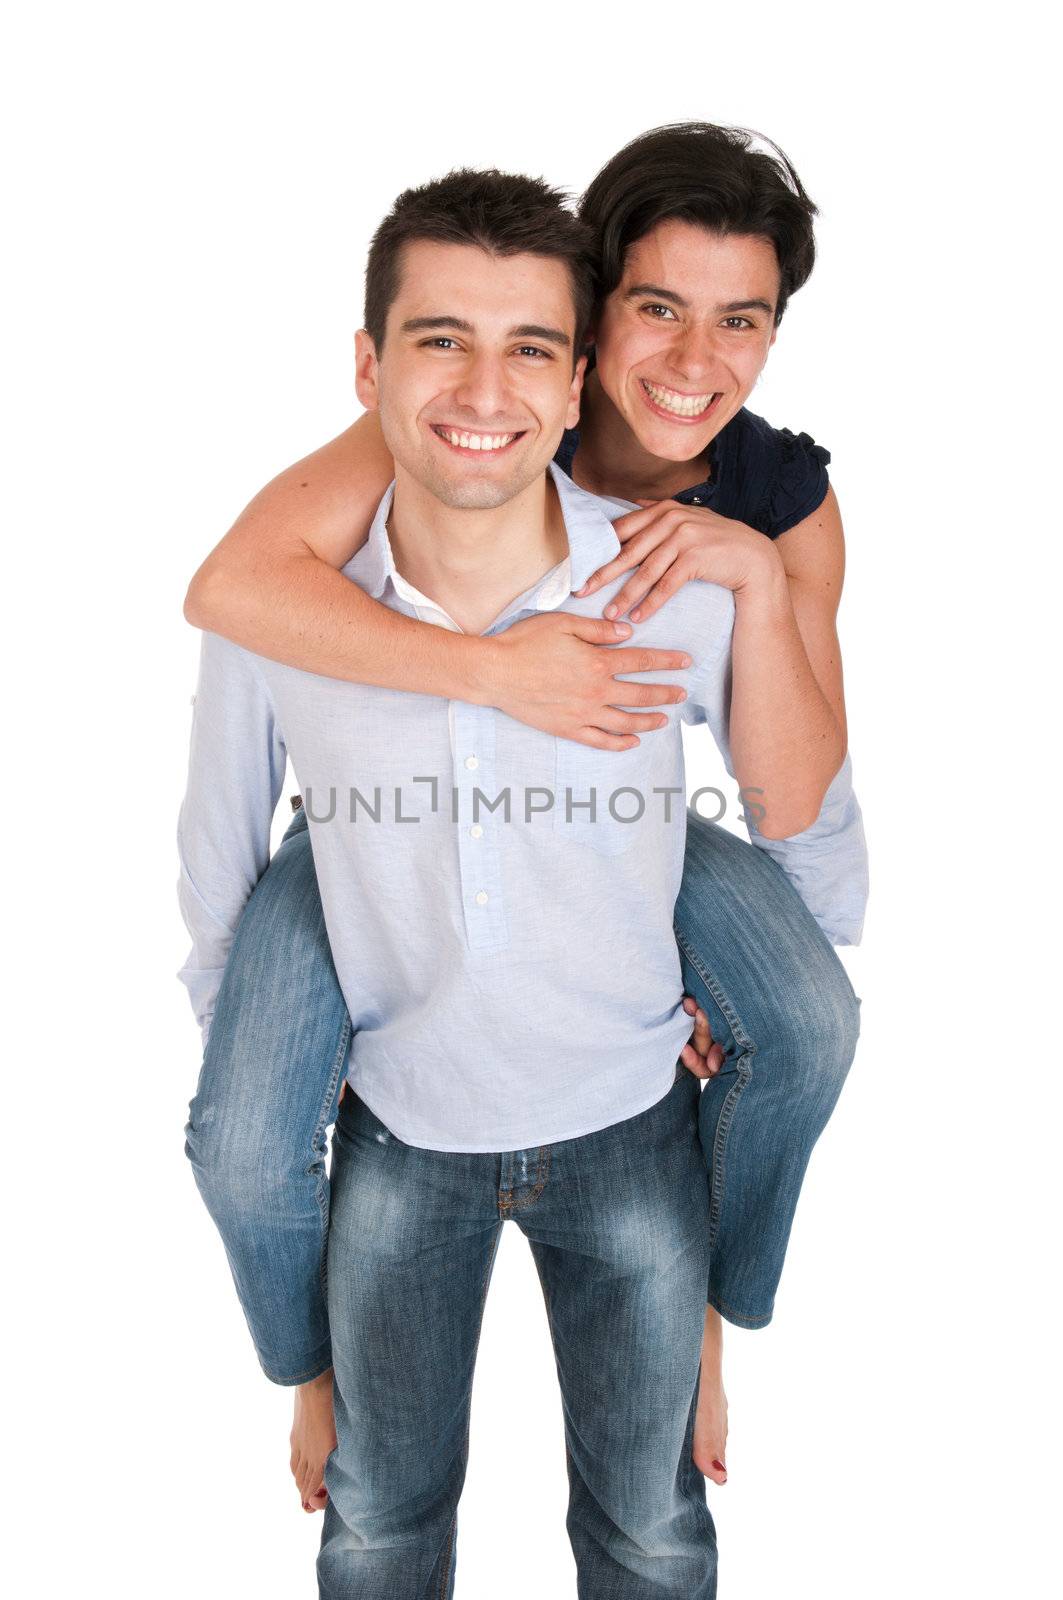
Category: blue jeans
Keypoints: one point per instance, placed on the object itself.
(778, 999)
(618, 1226)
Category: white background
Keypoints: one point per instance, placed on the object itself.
(192, 190)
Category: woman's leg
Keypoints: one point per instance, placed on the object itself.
(780, 1003)
(268, 1089)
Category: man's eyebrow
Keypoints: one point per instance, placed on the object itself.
(526, 330)
(732, 306)
(531, 330)
(420, 324)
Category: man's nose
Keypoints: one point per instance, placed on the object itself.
(483, 388)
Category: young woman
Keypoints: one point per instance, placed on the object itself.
(702, 238)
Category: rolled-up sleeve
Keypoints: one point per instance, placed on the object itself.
(827, 863)
(236, 768)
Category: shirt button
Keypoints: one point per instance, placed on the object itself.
(695, 500)
(476, 830)
(471, 762)
(481, 897)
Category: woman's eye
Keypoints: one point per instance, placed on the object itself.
(668, 312)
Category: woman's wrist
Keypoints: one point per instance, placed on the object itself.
(765, 588)
(470, 669)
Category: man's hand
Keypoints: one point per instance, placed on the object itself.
(551, 672)
(701, 1056)
(672, 543)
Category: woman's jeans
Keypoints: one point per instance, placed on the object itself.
(778, 1000)
(617, 1221)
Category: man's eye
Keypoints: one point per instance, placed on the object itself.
(737, 322)
(533, 350)
(668, 312)
(439, 342)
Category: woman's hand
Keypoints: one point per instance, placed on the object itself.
(701, 1055)
(671, 543)
(552, 672)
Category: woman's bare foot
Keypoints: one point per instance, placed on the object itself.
(710, 1424)
(313, 1438)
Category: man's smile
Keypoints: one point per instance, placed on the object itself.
(675, 405)
(468, 443)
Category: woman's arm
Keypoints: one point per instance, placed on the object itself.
(788, 726)
(273, 585)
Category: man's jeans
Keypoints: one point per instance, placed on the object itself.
(778, 1001)
(618, 1223)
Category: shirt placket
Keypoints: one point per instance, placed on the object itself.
(479, 840)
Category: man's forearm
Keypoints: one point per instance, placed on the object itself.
(785, 740)
(331, 627)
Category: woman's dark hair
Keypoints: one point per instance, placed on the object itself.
(715, 177)
(504, 213)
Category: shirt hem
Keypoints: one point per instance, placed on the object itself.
(528, 1144)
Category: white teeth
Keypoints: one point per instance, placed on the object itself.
(683, 405)
(476, 441)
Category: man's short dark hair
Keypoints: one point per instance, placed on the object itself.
(503, 213)
(712, 176)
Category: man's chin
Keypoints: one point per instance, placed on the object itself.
(477, 496)
(476, 493)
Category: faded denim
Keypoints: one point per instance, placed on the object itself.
(753, 956)
(617, 1221)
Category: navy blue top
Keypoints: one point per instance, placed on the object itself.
(768, 478)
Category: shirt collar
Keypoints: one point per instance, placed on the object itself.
(588, 521)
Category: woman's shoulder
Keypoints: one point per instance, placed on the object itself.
(770, 478)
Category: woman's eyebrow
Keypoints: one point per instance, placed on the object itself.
(658, 293)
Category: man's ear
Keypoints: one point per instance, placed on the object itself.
(572, 414)
(366, 371)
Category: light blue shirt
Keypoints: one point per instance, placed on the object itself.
(512, 980)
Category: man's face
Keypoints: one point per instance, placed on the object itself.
(475, 382)
(683, 337)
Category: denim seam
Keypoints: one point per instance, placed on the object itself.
(737, 1317)
(468, 1427)
(570, 1465)
(508, 1206)
(315, 1369)
(744, 1068)
(319, 1133)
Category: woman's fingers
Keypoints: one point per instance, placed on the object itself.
(700, 1054)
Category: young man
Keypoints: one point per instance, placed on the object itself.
(499, 906)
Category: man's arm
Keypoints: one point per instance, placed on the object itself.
(235, 776)
(273, 585)
(827, 861)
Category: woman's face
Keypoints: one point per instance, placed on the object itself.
(684, 335)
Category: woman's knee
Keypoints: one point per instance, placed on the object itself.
(245, 1149)
(817, 1027)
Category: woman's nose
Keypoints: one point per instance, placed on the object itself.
(694, 356)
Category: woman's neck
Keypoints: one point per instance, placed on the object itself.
(610, 460)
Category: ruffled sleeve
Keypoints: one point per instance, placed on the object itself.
(800, 483)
